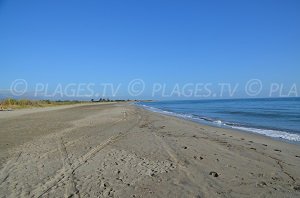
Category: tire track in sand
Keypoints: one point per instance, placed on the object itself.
(62, 174)
(4, 174)
(70, 143)
(70, 190)
(175, 159)
(12, 163)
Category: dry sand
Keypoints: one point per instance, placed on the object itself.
(118, 150)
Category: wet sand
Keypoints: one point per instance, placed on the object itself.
(119, 150)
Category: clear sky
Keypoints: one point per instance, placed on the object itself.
(60, 41)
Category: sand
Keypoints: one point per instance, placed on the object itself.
(119, 150)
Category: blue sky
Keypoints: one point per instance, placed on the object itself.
(52, 41)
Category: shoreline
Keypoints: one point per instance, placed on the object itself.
(242, 129)
(233, 131)
(121, 150)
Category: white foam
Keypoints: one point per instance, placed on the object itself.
(266, 132)
(153, 109)
(218, 122)
(271, 133)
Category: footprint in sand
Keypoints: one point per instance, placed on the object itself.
(200, 158)
(214, 174)
(296, 188)
(261, 184)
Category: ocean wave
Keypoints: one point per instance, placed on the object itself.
(157, 110)
(271, 133)
(216, 122)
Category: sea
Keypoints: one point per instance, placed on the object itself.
(278, 118)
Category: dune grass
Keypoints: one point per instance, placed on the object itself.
(8, 104)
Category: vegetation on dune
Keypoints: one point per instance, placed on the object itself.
(25, 103)
(10, 103)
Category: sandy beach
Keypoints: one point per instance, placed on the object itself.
(119, 150)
